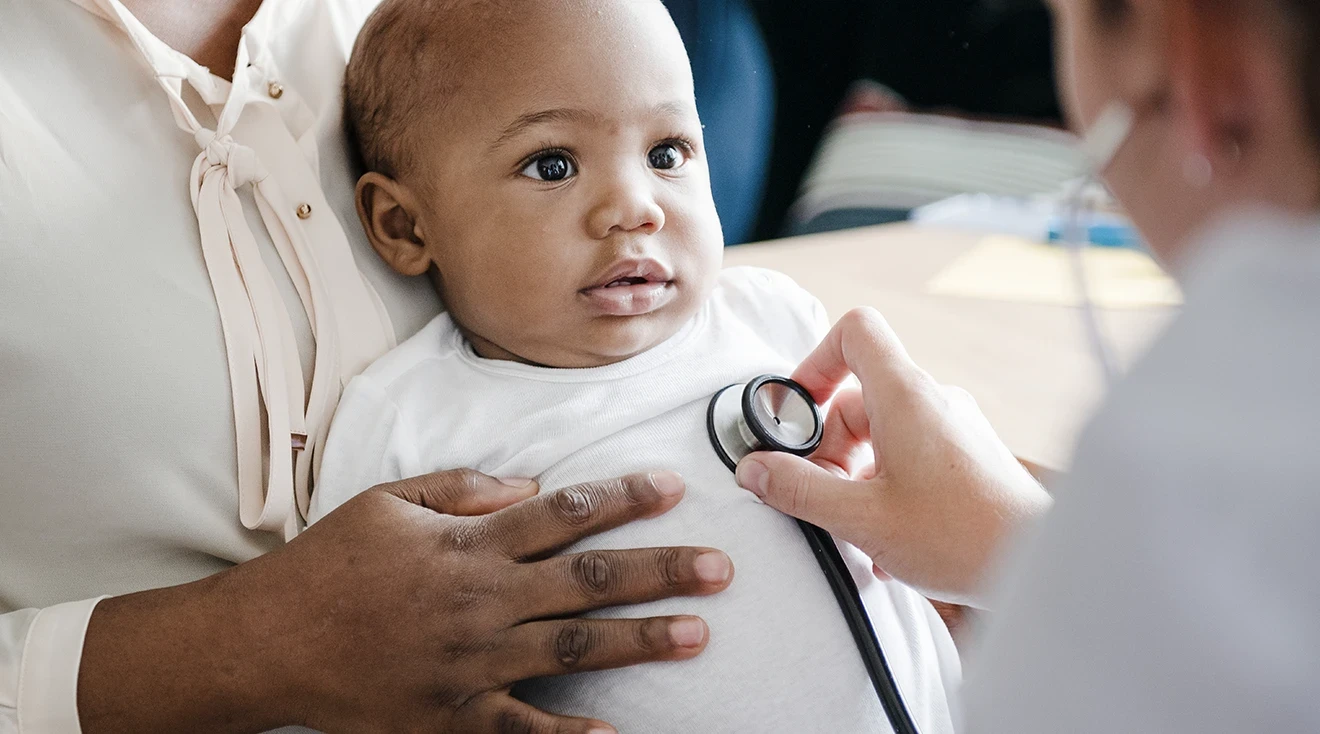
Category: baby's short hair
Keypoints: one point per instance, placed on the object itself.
(406, 67)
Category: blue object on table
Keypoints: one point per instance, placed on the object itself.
(1101, 231)
(736, 99)
(1034, 218)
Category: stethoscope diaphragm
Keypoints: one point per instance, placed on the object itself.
(770, 413)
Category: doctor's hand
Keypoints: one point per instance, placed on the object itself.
(413, 607)
(908, 471)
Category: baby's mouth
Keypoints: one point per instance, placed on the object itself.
(621, 282)
(631, 288)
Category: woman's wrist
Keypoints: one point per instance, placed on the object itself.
(181, 658)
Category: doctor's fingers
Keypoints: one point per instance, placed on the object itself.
(581, 582)
(552, 521)
(499, 712)
(561, 647)
(797, 487)
(863, 344)
(845, 444)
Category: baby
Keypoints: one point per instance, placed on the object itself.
(542, 162)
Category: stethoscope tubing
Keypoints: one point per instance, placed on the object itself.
(837, 575)
(859, 623)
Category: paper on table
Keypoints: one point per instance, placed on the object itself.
(1013, 269)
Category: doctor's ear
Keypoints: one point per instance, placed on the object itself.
(388, 213)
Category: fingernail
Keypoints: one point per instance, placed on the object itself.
(518, 483)
(667, 483)
(712, 567)
(687, 632)
(753, 477)
(602, 730)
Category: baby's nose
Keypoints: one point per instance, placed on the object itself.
(628, 207)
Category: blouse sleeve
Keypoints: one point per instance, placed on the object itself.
(40, 651)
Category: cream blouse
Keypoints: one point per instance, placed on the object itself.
(184, 291)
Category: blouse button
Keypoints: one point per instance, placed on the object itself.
(304, 210)
(275, 90)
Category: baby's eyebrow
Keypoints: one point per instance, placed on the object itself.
(571, 114)
(672, 109)
(561, 114)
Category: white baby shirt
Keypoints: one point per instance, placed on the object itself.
(780, 658)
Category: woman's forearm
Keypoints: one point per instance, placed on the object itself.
(182, 658)
(424, 627)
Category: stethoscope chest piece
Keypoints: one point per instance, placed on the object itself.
(769, 413)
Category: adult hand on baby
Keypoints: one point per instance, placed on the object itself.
(430, 618)
(936, 491)
(406, 609)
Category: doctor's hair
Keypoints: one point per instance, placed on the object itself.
(1298, 20)
(1306, 15)
(406, 69)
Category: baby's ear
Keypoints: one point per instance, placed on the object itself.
(388, 213)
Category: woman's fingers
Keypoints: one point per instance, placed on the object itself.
(461, 492)
(499, 712)
(560, 647)
(583, 582)
(845, 445)
(553, 521)
(455, 590)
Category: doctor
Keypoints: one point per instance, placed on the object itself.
(1173, 586)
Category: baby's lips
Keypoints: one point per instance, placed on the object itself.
(630, 300)
(648, 269)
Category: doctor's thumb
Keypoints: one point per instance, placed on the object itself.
(797, 487)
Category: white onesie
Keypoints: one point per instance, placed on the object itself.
(780, 657)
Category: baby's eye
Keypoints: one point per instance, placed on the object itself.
(550, 167)
(666, 156)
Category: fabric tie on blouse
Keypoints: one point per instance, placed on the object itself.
(279, 430)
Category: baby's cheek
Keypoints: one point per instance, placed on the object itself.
(707, 264)
(501, 305)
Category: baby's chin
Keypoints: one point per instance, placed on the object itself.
(599, 342)
(610, 340)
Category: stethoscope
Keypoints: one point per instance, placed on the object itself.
(777, 414)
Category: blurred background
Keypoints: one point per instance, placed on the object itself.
(829, 114)
(938, 119)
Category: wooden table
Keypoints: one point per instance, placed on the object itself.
(1028, 365)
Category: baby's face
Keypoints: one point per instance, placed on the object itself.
(565, 199)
